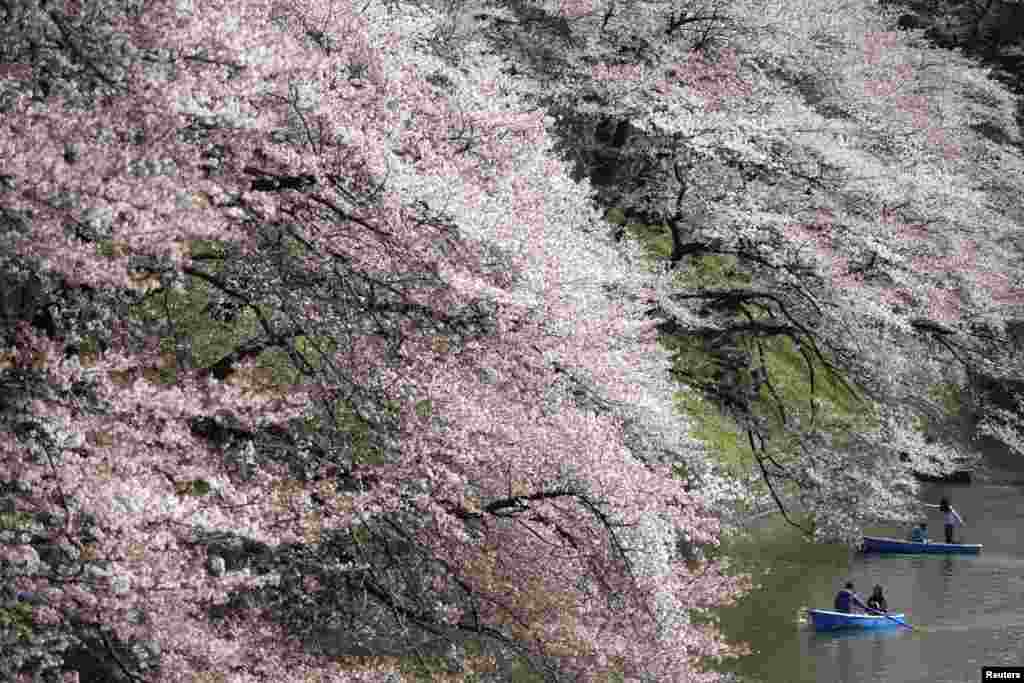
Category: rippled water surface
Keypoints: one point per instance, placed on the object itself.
(969, 611)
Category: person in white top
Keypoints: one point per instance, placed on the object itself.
(950, 517)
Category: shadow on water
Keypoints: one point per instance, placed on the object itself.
(850, 656)
(825, 639)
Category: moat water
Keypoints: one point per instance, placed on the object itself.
(968, 611)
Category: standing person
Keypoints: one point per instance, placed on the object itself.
(847, 598)
(950, 517)
(877, 601)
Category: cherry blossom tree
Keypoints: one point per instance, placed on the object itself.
(852, 172)
(424, 419)
(340, 351)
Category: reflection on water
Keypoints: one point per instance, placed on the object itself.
(998, 559)
(851, 654)
(968, 611)
(827, 640)
(1011, 619)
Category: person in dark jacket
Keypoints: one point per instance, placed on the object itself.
(847, 598)
(877, 600)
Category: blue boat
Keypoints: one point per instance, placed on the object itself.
(874, 544)
(830, 620)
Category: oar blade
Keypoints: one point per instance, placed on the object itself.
(892, 618)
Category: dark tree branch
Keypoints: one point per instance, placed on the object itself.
(270, 182)
(771, 487)
(70, 43)
(677, 22)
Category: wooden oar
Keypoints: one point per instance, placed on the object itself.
(892, 618)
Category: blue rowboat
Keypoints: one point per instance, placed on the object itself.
(874, 544)
(829, 620)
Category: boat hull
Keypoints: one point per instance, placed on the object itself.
(830, 620)
(874, 544)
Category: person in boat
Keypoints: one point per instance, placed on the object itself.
(950, 517)
(847, 598)
(919, 534)
(877, 601)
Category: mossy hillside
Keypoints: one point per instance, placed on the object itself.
(188, 313)
(694, 364)
(17, 620)
(701, 272)
(949, 395)
(357, 431)
(16, 521)
(836, 413)
(951, 398)
(722, 436)
(829, 406)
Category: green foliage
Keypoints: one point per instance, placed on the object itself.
(424, 409)
(200, 248)
(691, 361)
(280, 366)
(715, 429)
(360, 535)
(837, 411)
(194, 487)
(425, 668)
(919, 424)
(355, 428)
(699, 368)
(186, 314)
(15, 521)
(108, 249)
(656, 240)
(17, 619)
(949, 395)
(680, 470)
(616, 216)
(522, 672)
(703, 271)
(712, 271)
(311, 347)
(364, 451)
(89, 345)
